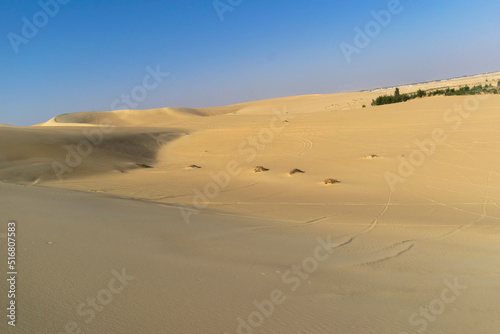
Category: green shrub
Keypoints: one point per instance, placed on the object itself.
(421, 93)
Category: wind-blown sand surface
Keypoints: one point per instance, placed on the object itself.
(170, 197)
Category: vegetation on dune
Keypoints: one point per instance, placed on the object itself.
(397, 97)
(466, 90)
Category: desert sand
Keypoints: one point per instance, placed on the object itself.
(157, 221)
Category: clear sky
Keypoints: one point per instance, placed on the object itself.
(86, 54)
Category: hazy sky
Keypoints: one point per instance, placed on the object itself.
(85, 55)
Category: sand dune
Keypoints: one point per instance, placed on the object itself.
(325, 144)
(406, 241)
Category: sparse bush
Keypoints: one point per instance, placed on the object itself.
(260, 169)
(295, 171)
(331, 181)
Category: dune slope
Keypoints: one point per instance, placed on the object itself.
(211, 276)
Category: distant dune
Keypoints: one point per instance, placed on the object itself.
(152, 117)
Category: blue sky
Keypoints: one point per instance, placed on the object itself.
(91, 52)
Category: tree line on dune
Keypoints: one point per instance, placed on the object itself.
(397, 97)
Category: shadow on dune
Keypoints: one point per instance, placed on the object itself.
(31, 155)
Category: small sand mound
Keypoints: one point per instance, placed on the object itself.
(260, 169)
(371, 156)
(295, 171)
(331, 181)
(194, 167)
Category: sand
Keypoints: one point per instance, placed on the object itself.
(159, 217)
